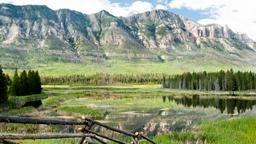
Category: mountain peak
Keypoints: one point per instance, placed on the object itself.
(104, 13)
(27, 11)
(160, 11)
(24, 7)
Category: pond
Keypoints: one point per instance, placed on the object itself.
(224, 105)
(155, 115)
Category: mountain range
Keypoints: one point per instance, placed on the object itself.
(34, 33)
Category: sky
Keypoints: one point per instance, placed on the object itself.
(239, 15)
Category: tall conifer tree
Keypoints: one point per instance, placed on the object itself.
(3, 86)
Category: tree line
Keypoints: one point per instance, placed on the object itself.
(219, 81)
(102, 79)
(24, 84)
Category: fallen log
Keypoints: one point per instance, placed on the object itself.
(30, 120)
(4, 136)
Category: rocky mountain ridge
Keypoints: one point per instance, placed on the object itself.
(75, 36)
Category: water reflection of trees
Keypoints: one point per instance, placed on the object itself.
(231, 106)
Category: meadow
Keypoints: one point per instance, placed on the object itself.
(119, 66)
(136, 107)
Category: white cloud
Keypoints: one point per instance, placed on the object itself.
(160, 6)
(140, 6)
(195, 4)
(239, 15)
(90, 6)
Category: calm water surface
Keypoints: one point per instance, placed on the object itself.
(188, 112)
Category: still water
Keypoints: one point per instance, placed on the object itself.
(224, 105)
(186, 114)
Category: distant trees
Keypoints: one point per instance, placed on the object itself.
(4, 81)
(26, 83)
(102, 79)
(222, 81)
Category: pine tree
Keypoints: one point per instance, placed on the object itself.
(3, 86)
(164, 82)
(38, 87)
(31, 82)
(24, 83)
(15, 84)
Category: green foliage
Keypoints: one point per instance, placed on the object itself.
(175, 138)
(18, 101)
(23, 84)
(4, 80)
(54, 43)
(233, 131)
(19, 111)
(223, 81)
(150, 30)
(51, 141)
(15, 85)
(162, 31)
(26, 84)
(71, 100)
(81, 110)
(103, 79)
(37, 80)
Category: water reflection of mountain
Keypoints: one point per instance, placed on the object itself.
(229, 105)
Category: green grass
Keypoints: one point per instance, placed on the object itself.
(232, 131)
(116, 66)
(89, 112)
(229, 131)
(117, 105)
(18, 111)
(174, 138)
(18, 101)
(51, 141)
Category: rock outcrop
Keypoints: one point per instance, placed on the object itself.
(72, 35)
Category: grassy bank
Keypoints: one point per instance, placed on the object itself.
(229, 131)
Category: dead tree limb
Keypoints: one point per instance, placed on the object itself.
(105, 137)
(111, 128)
(30, 120)
(4, 136)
